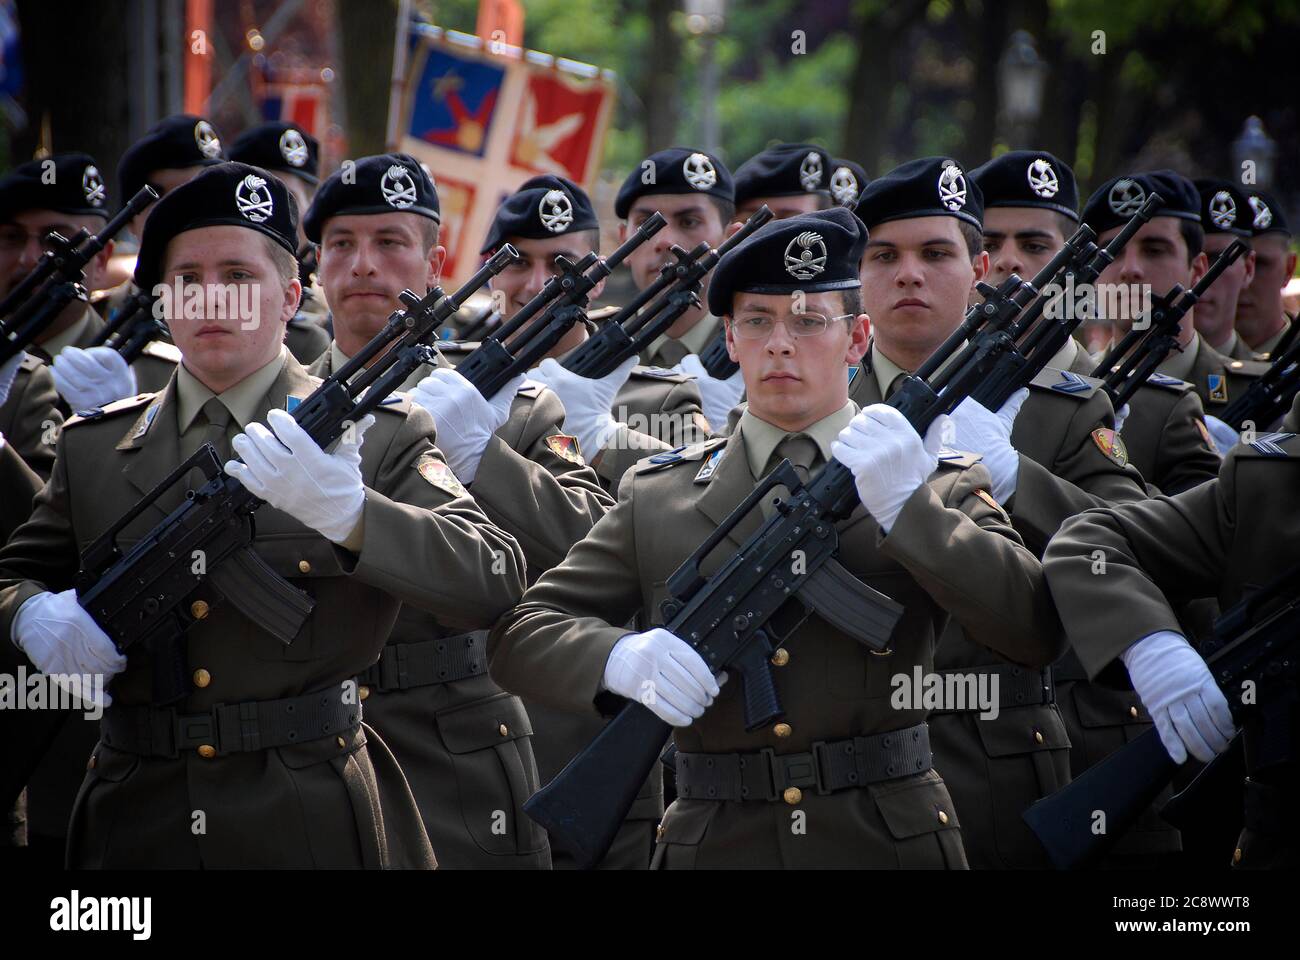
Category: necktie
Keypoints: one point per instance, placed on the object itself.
(801, 450)
(210, 426)
(894, 385)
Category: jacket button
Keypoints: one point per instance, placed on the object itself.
(943, 817)
(341, 742)
(1038, 736)
(207, 751)
(1133, 712)
(364, 692)
(90, 765)
(659, 833)
(503, 730)
(1236, 854)
(199, 609)
(304, 566)
(202, 678)
(792, 795)
(782, 730)
(781, 657)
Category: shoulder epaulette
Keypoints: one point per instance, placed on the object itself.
(1166, 382)
(531, 389)
(163, 351)
(687, 454)
(1056, 380)
(961, 459)
(1247, 368)
(125, 405)
(659, 373)
(30, 363)
(396, 402)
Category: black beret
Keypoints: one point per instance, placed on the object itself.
(1267, 213)
(1224, 208)
(675, 170)
(65, 182)
(1115, 201)
(1029, 178)
(542, 207)
(812, 252)
(177, 142)
(929, 187)
(785, 170)
(847, 181)
(383, 183)
(233, 194)
(282, 147)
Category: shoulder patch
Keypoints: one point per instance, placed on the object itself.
(163, 351)
(566, 448)
(659, 373)
(1217, 385)
(1066, 382)
(1205, 433)
(125, 405)
(987, 498)
(1109, 443)
(1168, 382)
(437, 474)
(710, 466)
(687, 454)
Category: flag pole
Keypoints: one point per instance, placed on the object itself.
(398, 84)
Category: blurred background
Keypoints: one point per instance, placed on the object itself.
(1108, 85)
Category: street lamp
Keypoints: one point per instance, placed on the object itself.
(704, 18)
(1021, 76)
(1254, 145)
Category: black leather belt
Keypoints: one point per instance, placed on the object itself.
(232, 727)
(405, 665)
(1017, 686)
(830, 765)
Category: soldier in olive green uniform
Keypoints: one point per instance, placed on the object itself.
(1225, 217)
(790, 178)
(30, 416)
(1222, 539)
(741, 800)
(1054, 458)
(1261, 320)
(472, 773)
(264, 761)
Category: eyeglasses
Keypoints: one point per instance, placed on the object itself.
(15, 239)
(759, 326)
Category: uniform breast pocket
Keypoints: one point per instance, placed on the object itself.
(491, 752)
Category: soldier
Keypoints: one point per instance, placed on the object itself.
(1165, 251)
(926, 526)
(1030, 204)
(29, 415)
(1261, 321)
(64, 194)
(1225, 217)
(791, 178)
(293, 155)
(464, 744)
(264, 760)
(1221, 539)
(1052, 458)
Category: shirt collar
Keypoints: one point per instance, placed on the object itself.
(69, 336)
(1064, 358)
(694, 339)
(884, 369)
(243, 400)
(761, 438)
(1180, 365)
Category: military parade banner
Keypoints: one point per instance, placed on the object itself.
(485, 117)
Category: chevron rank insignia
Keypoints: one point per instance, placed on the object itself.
(1164, 380)
(439, 475)
(1268, 444)
(1218, 386)
(566, 448)
(710, 465)
(1070, 383)
(661, 372)
(1205, 433)
(668, 456)
(1109, 443)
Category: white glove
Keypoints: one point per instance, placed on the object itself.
(979, 430)
(8, 373)
(719, 396)
(587, 403)
(465, 418)
(888, 459)
(1188, 708)
(1224, 437)
(92, 378)
(1120, 416)
(286, 469)
(662, 672)
(62, 640)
